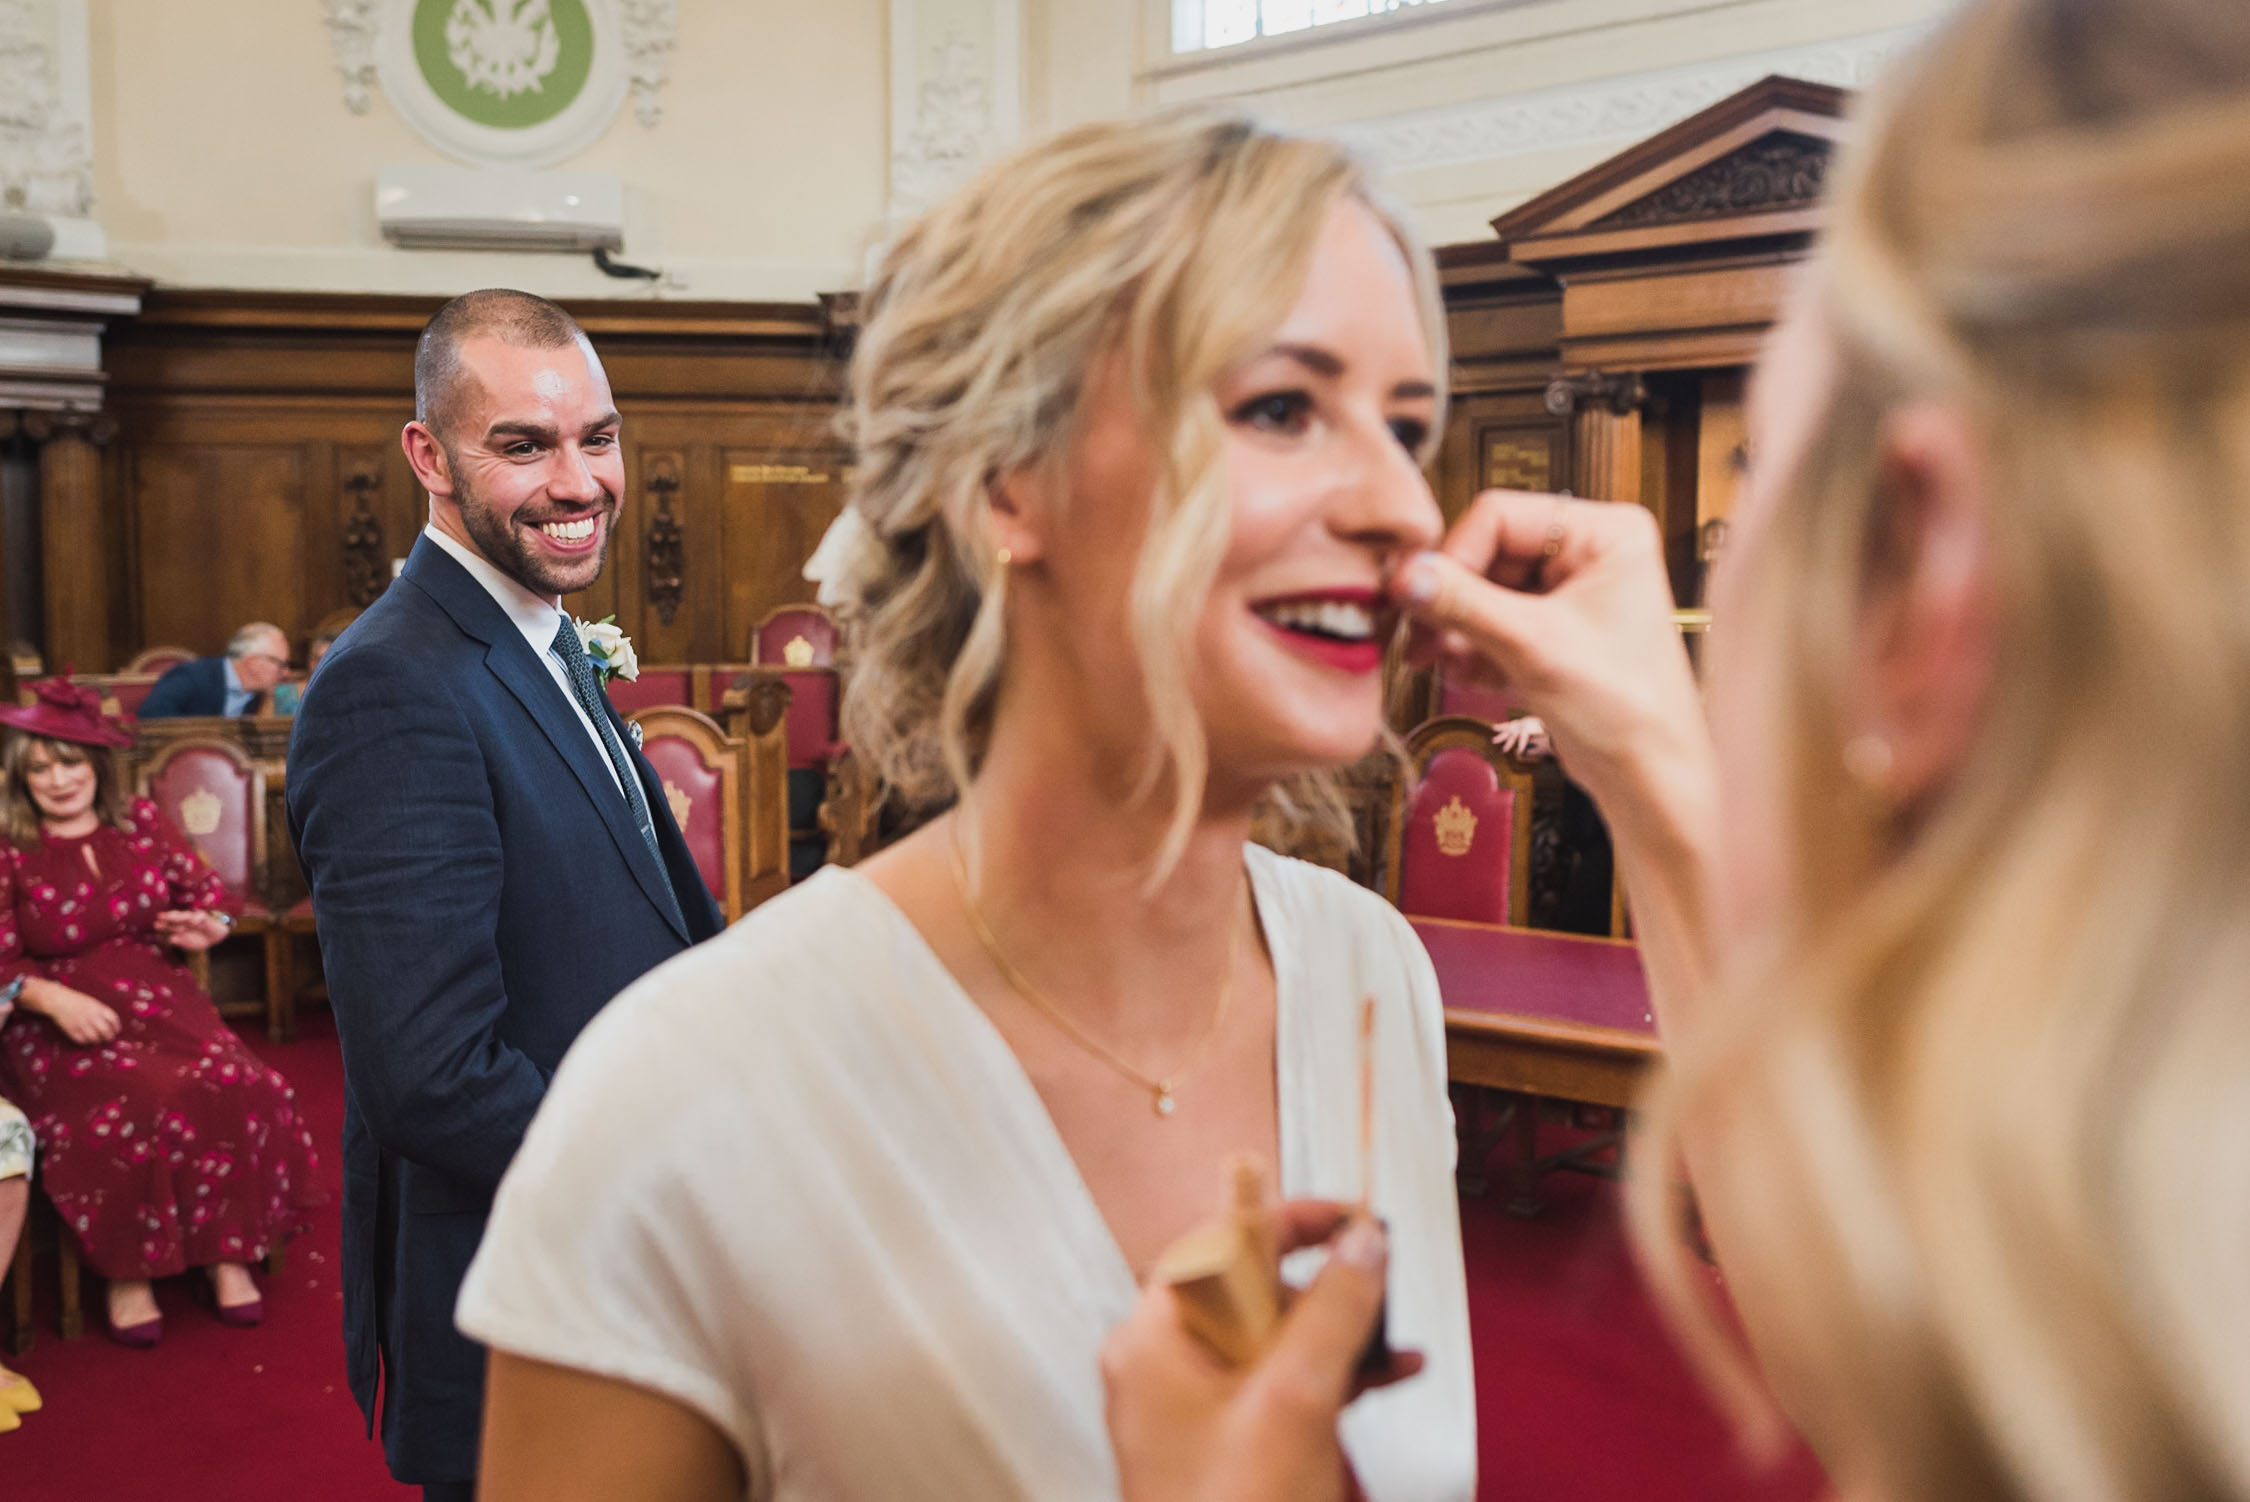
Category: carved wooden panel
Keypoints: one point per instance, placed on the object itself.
(776, 511)
(1784, 170)
(365, 546)
(664, 547)
(220, 535)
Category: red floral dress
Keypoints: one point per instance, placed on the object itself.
(172, 1146)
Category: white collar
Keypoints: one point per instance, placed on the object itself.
(536, 618)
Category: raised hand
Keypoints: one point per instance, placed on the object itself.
(82, 1019)
(1189, 1428)
(1524, 738)
(191, 929)
(1567, 606)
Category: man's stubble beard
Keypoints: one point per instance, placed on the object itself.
(505, 548)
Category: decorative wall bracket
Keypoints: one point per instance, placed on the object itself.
(364, 574)
(665, 548)
(1620, 393)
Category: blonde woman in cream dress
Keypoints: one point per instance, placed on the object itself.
(844, 1203)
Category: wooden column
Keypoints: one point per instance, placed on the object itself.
(73, 537)
(1605, 432)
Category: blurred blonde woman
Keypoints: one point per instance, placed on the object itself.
(844, 1203)
(1952, 975)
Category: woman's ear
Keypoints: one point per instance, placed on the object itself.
(1017, 510)
(1924, 665)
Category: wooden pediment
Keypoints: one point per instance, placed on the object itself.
(1751, 167)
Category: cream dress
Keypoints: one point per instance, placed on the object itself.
(794, 1180)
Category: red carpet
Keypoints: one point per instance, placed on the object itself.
(1582, 1396)
(213, 1414)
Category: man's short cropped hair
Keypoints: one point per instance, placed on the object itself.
(519, 318)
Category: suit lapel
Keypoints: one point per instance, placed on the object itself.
(511, 660)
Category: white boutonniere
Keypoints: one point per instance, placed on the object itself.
(609, 646)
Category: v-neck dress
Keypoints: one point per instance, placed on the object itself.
(795, 1180)
(172, 1145)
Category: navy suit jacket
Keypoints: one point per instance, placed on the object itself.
(195, 687)
(481, 893)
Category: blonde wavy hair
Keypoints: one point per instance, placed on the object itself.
(1979, 1130)
(1178, 242)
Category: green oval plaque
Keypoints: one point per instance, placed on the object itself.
(508, 64)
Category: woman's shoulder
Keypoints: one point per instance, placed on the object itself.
(1324, 904)
(795, 964)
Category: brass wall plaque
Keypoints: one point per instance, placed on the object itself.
(773, 474)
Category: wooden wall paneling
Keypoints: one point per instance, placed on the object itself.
(368, 529)
(706, 560)
(124, 603)
(203, 378)
(1670, 427)
(1723, 445)
(1507, 440)
(777, 507)
(220, 536)
(74, 539)
(1606, 452)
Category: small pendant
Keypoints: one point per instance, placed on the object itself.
(1164, 1101)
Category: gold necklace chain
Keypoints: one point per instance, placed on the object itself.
(1160, 1090)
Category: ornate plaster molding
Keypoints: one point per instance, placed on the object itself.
(46, 148)
(648, 30)
(1626, 108)
(354, 28)
(951, 127)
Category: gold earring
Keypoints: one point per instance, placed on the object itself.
(1005, 557)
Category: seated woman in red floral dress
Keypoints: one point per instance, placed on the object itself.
(165, 1144)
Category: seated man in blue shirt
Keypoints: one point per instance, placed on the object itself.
(240, 683)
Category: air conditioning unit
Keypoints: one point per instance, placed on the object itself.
(459, 208)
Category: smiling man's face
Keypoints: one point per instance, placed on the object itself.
(532, 472)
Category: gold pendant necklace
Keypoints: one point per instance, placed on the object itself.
(1160, 1090)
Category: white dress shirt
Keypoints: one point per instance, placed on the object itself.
(538, 620)
(238, 697)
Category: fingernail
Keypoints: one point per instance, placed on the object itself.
(1417, 582)
(1363, 1244)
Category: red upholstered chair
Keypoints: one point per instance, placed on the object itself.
(215, 795)
(655, 688)
(754, 708)
(122, 694)
(154, 660)
(702, 769)
(795, 636)
(1460, 827)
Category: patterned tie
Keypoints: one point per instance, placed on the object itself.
(583, 683)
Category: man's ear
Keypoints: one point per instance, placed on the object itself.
(1016, 511)
(1924, 667)
(428, 457)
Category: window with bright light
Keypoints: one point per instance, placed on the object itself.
(1201, 24)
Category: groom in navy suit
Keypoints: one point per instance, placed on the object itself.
(491, 859)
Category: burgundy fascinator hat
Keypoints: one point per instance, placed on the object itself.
(66, 711)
